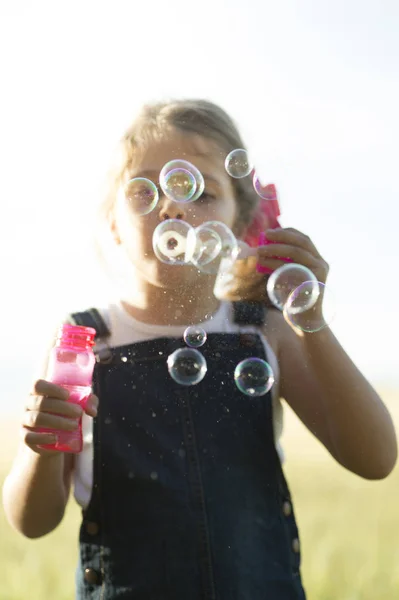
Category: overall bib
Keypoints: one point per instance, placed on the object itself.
(189, 499)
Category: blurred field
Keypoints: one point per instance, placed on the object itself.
(349, 529)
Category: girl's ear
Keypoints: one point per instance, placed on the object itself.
(114, 229)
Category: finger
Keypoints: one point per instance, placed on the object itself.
(91, 406)
(54, 406)
(33, 438)
(37, 420)
(46, 388)
(272, 263)
(293, 237)
(297, 254)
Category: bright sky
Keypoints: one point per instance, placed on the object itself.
(314, 87)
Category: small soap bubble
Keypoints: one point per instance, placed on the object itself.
(214, 241)
(311, 318)
(237, 163)
(195, 336)
(173, 242)
(263, 191)
(181, 181)
(179, 185)
(187, 366)
(285, 280)
(253, 377)
(141, 194)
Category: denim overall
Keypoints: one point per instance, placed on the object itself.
(189, 499)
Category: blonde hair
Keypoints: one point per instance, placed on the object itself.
(208, 120)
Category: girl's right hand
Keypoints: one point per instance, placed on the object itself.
(47, 408)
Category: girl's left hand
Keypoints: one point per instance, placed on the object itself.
(291, 243)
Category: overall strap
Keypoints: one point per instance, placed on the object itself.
(249, 313)
(91, 318)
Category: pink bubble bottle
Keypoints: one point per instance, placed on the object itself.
(71, 365)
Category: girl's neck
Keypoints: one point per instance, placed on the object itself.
(180, 306)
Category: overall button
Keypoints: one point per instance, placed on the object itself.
(295, 545)
(287, 509)
(247, 339)
(92, 576)
(92, 528)
(104, 356)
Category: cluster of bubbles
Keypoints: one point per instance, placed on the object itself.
(182, 182)
(305, 302)
(187, 366)
(238, 165)
(175, 242)
(252, 376)
(292, 288)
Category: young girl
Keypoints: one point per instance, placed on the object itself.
(182, 488)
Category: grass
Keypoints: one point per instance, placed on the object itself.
(348, 528)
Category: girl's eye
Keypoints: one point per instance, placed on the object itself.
(206, 197)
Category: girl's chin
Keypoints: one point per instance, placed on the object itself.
(168, 275)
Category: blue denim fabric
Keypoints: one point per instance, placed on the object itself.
(188, 493)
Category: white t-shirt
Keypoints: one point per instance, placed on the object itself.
(126, 330)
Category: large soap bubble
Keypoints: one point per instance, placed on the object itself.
(187, 366)
(141, 195)
(253, 376)
(181, 181)
(173, 242)
(238, 164)
(214, 241)
(313, 317)
(285, 280)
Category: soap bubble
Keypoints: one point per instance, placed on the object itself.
(179, 185)
(285, 280)
(214, 241)
(313, 317)
(208, 245)
(237, 163)
(187, 366)
(253, 377)
(141, 195)
(195, 336)
(262, 191)
(173, 242)
(181, 181)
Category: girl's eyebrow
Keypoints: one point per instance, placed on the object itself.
(149, 174)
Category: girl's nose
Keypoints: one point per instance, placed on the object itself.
(171, 210)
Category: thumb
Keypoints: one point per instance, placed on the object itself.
(91, 405)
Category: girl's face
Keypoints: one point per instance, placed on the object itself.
(217, 203)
